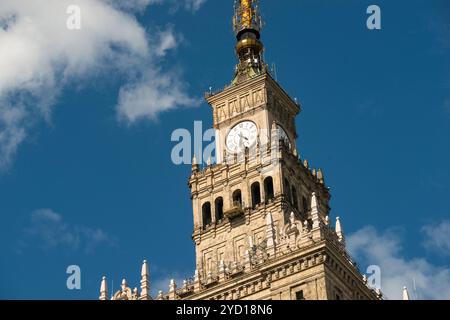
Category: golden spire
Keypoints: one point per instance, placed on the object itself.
(247, 25)
(247, 13)
(247, 17)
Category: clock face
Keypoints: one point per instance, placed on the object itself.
(241, 136)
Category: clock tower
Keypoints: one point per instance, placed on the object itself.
(261, 214)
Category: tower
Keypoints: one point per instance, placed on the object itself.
(260, 213)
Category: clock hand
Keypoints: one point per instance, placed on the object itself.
(240, 140)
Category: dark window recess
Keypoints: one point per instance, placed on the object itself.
(299, 295)
(305, 205)
(268, 188)
(219, 208)
(237, 198)
(287, 190)
(256, 194)
(206, 214)
(294, 198)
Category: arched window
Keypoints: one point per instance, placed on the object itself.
(237, 198)
(287, 190)
(294, 198)
(219, 208)
(256, 194)
(206, 214)
(268, 188)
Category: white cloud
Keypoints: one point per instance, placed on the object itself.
(385, 250)
(151, 95)
(40, 56)
(12, 131)
(166, 41)
(133, 5)
(438, 237)
(140, 5)
(194, 5)
(47, 230)
(154, 91)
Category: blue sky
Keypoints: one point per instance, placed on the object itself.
(86, 176)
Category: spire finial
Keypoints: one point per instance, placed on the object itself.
(144, 269)
(195, 165)
(103, 289)
(320, 176)
(172, 286)
(196, 275)
(145, 281)
(339, 229)
(405, 293)
(315, 211)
